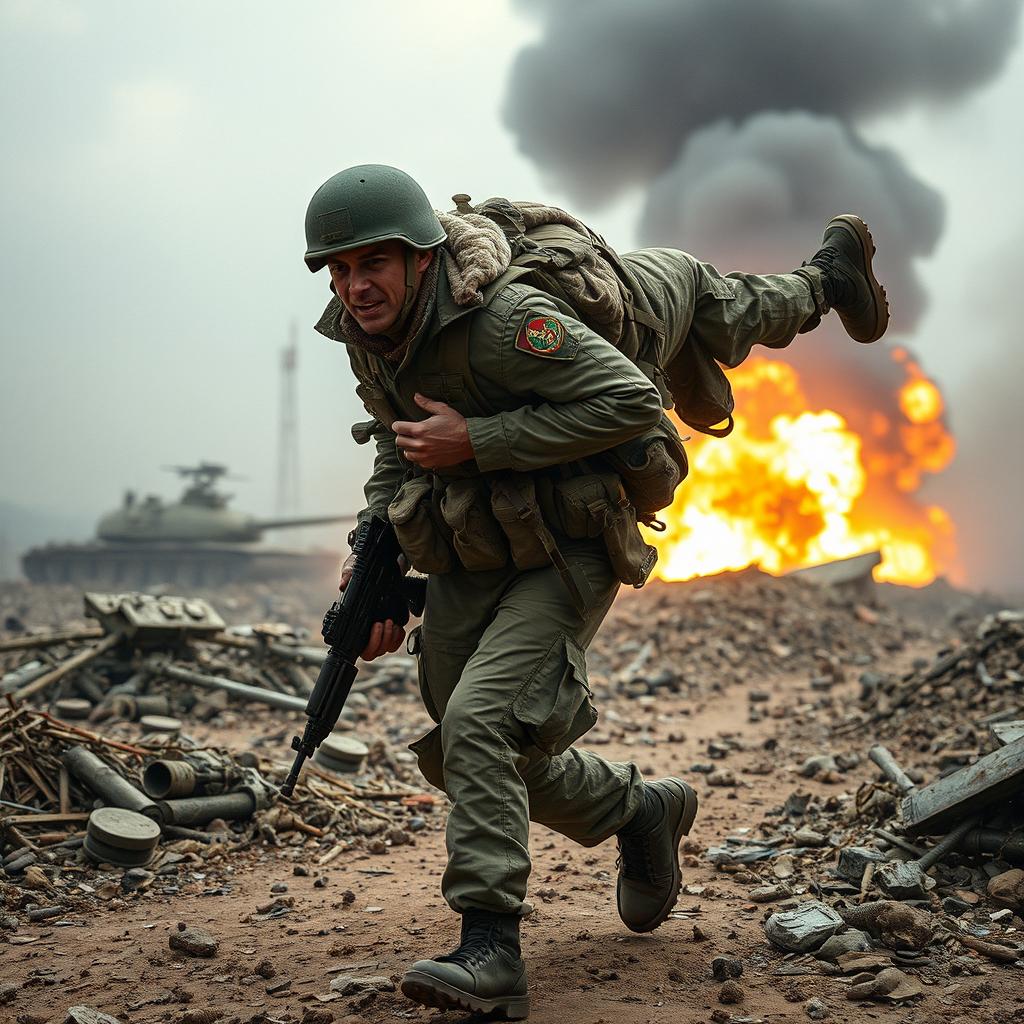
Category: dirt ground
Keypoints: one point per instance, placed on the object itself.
(377, 913)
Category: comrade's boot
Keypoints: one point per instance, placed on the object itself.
(847, 279)
(486, 973)
(649, 875)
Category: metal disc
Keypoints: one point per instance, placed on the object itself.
(72, 707)
(160, 723)
(340, 747)
(102, 853)
(123, 830)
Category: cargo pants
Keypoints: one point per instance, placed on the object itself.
(503, 671)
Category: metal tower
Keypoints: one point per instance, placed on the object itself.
(288, 429)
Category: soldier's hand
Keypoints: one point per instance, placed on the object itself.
(385, 637)
(438, 441)
(347, 568)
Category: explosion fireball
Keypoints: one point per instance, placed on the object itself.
(790, 488)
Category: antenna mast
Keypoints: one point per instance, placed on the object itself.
(288, 429)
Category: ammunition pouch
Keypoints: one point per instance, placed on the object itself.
(515, 507)
(476, 537)
(418, 525)
(651, 467)
(596, 505)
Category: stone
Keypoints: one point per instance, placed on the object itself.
(955, 907)
(852, 941)
(808, 837)
(903, 880)
(88, 1015)
(265, 969)
(895, 925)
(721, 777)
(818, 765)
(193, 941)
(7, 993)
(278, 887)
(724, 968)
(890, 984)
(136, 879)
(769, 893)
(1007, 889)
(816, 1009)
(349, 984)
(854, 859)
(805, 929)
(730, 993)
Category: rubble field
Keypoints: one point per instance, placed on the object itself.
(858, 855)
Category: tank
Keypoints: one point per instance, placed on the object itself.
(197, 541)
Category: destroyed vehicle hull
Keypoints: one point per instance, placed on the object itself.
(138, 566)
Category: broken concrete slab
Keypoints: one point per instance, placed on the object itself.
(805, 929)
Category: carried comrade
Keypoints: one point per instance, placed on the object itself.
(518, 372)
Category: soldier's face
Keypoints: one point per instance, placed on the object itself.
(370, 281)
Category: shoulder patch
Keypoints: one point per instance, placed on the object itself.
(546, 336)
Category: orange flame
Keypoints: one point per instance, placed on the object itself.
(791, 487)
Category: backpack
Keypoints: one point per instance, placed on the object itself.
(563, 257)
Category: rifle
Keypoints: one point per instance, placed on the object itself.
(376, 592)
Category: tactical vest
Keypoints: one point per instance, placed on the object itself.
(484, 520)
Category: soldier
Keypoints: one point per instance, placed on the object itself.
(489, 417)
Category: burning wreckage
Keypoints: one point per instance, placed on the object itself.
(915, 876)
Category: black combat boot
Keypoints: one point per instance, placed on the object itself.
(486, 973)
(649, 875)
(847, 280)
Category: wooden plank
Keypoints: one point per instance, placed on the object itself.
(47, 819)
(80, 659)
(1008, 732)
(21, 643)
(997, 777)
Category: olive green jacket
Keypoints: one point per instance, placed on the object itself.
(538, 410)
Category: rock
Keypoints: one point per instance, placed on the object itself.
(808, 837)
(896, 925)
(854, 859)
(818, 765)
(1007, 889)
(816, 1009)
(199, 1017)
(805, 929)
(769, 893)
(903, 881)
(349, 984)
(88, 1015)
(300, 870)
(317, 1015)
(136, 879)
(852, 941)
(193, 941)
(278, 887)
(265, 969)
(730, 993)
(890, 984)
(7, 993)
(955, 907)
(721, 777)
(723, 968)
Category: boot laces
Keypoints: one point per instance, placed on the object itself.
(478, 942)
(635, 859)
(836, 281)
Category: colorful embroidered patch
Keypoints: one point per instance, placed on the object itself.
(546, 336)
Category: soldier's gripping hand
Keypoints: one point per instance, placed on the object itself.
(385, 637)
(441, 440)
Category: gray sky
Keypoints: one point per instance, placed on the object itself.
(157, 161)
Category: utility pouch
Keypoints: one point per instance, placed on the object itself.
(651, 467)
(478, 540)
(514, 503)
(419, 534)
(596, 505)
(376, 402)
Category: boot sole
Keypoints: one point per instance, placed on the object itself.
(683, 827)
(851, 222)
(422, 988)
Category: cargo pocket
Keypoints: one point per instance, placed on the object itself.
(430, 757)
(554, 704)
(376, 403)
(476, 536)
(651, 466)
(418, 534)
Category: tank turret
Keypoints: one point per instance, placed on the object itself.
(198, 539)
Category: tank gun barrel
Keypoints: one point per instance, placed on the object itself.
(283, 524)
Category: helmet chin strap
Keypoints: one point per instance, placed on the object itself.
(398, 328)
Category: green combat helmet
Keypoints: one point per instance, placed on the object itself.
(370, 203)
(364, 204)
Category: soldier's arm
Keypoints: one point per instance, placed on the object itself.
(388, 471)
(580, 394)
